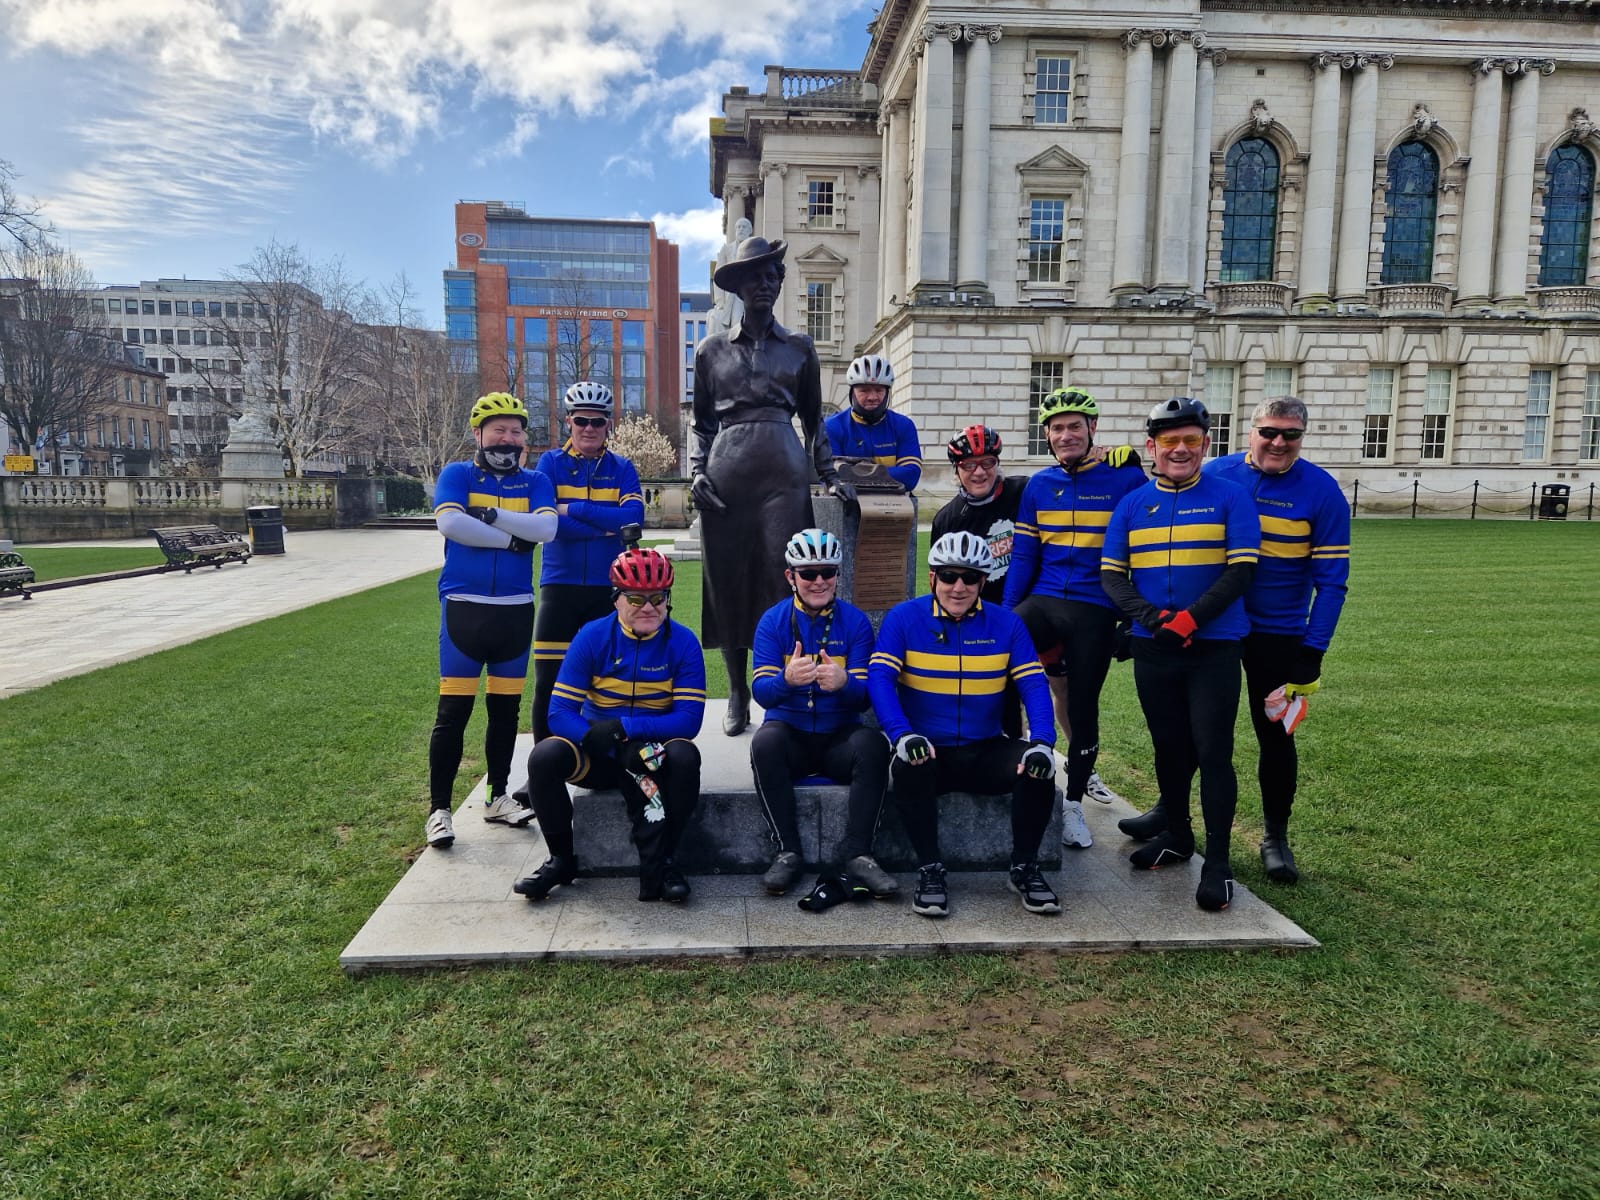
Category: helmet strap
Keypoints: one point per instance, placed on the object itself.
(869, 416)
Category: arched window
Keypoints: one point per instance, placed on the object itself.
(1409, 208)
(1249, 211)
(1568, 208)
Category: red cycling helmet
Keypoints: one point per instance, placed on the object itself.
(974, 441)
(641, 571)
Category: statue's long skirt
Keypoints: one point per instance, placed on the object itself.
(760, 470)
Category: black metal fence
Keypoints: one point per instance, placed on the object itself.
(1544, 502)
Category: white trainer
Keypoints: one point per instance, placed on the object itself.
(1098, 791)
(1074, 831)
(441, 829)
(508, 810)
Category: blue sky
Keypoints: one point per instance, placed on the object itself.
(172, 137)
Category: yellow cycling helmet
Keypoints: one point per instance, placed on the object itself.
(1068, 400)
(498, 404)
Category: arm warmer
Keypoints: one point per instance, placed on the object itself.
(529, 526)
(469, 531)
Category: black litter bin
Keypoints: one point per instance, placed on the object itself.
(1553, 500)
(266, 528)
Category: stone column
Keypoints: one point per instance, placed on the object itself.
(1355, 218)
(1133, 167)
(972, 244)
(1205, 93)
(892, 118)
(1516, 196)
(1483, 177)
(863, 311)
(935, 163)
(772, 199)
(1176, 179)
(1322, 172)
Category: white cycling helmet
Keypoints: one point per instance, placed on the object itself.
(961, 549)
(813, 548)
(585, 396)
(870, 368)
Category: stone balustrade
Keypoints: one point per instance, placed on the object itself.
(1569, 301)
(1259, 296)
(816, 88)
(1427, 299)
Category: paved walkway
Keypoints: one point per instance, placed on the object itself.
(80, 629)
(456, 907)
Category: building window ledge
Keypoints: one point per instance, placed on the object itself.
(1426, 299)
(1258, 296)
(1569, 301)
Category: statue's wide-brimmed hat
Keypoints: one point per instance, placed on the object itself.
(752, 253)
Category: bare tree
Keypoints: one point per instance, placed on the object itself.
(577, 353)
(20, 218)
(299, 351)
(419, 408)
(58, 359)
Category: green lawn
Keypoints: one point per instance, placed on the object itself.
(191, 839)
(65, 562)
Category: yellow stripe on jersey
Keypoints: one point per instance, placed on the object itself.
(908, 460)
(1285, 527)
(1330, 552)
(502, 685)
(509, 503)
(687, 693)
(1271, 549)
(639, 496)
(448, 506)
(1243, 554)
(763, 672)
(1198, 557)
(1023, 670)
(946, 686)
(1024, 527)
(1178, 533)
(567, 492)
(884, 659)
(568, 692)
(1062, 518)
(922, 660)
(629, 687)
(1081, 539)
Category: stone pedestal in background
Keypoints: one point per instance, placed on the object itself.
(832, 516)
(252, 452)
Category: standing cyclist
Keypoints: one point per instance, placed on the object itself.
(1054, 581)
(1178, 556)
(1294, 600)
(597, 493)
(627, 705)
(870, 430)
(936, 680)
(492, 513)
(810, 676)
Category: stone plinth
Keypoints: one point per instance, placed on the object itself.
(832, 515)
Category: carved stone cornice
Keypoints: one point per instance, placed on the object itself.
(1352, 60)
(1163, 37)
(972, 33)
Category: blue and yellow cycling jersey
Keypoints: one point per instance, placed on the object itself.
(1061, 525)
(946, 678)
(891, 443)
(475, 570)
(1305, 548)
(602, 495)
(844, 632)
(655, 685)
(1174, 540)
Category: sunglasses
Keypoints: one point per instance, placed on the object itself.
(951, 575)
(977, 464)
(812, 574)
(591, 422)
(1171, 441)
(1268, 434)
(639, 599)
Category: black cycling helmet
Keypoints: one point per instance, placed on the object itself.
(1180, 410)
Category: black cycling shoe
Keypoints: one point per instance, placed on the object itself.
(1278, 859)
(1148, 824)
(674, 887)
(1215, 892)
(557, 870)
(1168, 850)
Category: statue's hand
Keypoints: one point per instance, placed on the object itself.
(705, 495)
(845, 491)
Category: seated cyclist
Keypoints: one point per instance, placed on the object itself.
(628, 700)
(811, 654)
(936, 680)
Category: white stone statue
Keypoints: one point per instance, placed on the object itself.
(251, 427)
(727, 309)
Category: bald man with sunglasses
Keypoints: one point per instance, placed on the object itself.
(1294, 599)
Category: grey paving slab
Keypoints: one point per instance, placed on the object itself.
(456, 907)
(75, 630)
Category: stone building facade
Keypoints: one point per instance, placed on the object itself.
(1387, 208)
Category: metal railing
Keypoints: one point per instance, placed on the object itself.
(1472, 501)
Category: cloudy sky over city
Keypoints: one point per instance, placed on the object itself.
(172, 137)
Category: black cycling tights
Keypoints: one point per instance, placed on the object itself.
(449, 732)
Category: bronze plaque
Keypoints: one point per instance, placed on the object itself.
(882, 542)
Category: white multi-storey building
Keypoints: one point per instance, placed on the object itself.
(1386, 208)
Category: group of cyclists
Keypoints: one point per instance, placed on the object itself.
(1035, 586)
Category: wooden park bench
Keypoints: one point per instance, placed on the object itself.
(15, 575)
(191, 546)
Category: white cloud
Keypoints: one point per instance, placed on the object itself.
(698, 234)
